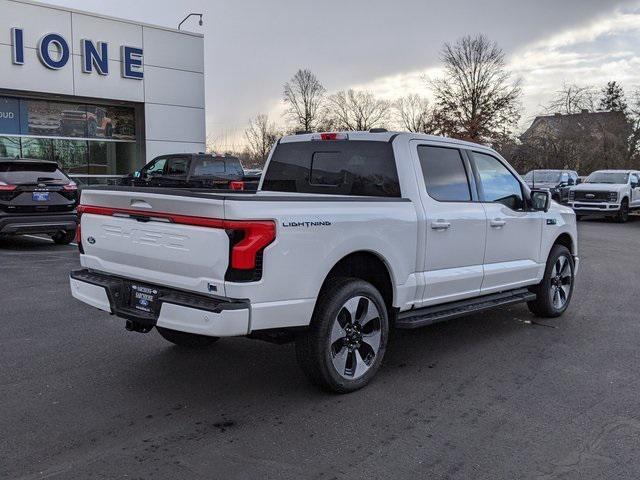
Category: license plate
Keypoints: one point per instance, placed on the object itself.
(40, 196)
(143, 298)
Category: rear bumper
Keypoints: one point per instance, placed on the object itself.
(176, 309)
(24, 224)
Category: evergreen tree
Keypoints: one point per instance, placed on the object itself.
(613, 99)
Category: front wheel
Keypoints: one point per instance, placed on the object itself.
(556, 288)
(346, 341)
(187, 340)
(63, 237)
(623, 213)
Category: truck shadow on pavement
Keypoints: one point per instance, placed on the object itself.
(236, 367)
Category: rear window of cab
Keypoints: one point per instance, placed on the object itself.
(358, 168)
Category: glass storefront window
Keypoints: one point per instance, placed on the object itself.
(71, 155)
(56, 119)
(111, 122)
(84, 139)
(10, 147)
(111, 158)
(37, 148)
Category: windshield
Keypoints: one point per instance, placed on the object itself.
(543, 176)
(608, 177)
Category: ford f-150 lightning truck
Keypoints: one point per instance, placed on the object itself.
(350, 234)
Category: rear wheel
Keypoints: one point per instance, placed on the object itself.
(187, 340)
(346, 341)
(64, 237)
(623, 213)
(556, 288)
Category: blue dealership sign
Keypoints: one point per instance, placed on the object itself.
(10, 116)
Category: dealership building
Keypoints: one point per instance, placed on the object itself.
(99, 95)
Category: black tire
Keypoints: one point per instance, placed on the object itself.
(623, 213)
(187, 340)
(315, 351)
(545, 305)
(64, 237)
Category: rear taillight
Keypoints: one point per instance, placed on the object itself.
(71, 187)
(5, 187)
(329, 136)
(252, 239)
(236, 185)
(248, 238)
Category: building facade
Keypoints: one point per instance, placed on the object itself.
(97, 94)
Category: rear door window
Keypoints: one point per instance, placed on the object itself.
(208, 167)
(16, 173)
(350, 167)
(444, 174)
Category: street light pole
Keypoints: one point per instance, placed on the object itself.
(191, 15)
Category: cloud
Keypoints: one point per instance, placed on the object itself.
(604, 49)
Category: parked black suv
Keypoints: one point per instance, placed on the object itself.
(193, 170)
(36, 197)
(556, 181)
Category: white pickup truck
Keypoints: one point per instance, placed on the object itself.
(612, 193)
(349, 235)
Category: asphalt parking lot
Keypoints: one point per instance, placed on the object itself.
(489, 396)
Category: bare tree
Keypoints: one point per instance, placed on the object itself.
(261, 134)
(304, 97)
(357, 110)
(573, 99)
(414, 114)
(477, 98)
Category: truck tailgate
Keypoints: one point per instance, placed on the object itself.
(133, 234)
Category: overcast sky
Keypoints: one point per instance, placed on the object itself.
(253, 46)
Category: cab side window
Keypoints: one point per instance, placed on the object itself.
(497, 183)
(635, 179)
(444, 174)
(177, 166)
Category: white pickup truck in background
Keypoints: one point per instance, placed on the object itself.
(349, 235)
(612, 193)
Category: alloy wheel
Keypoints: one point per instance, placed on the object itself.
(355, 337)
(561, 281)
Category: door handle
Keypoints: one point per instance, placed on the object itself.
(497, 223)
(139, 204)
(440, 225)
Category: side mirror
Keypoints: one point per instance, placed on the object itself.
(540, 200)
(578, 181)
(571, 182)
(635, 184)
(136, 174)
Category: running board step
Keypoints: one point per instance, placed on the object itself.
(439, 313)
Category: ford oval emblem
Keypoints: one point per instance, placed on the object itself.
(91, 240)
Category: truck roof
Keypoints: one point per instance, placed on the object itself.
(383, 137)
